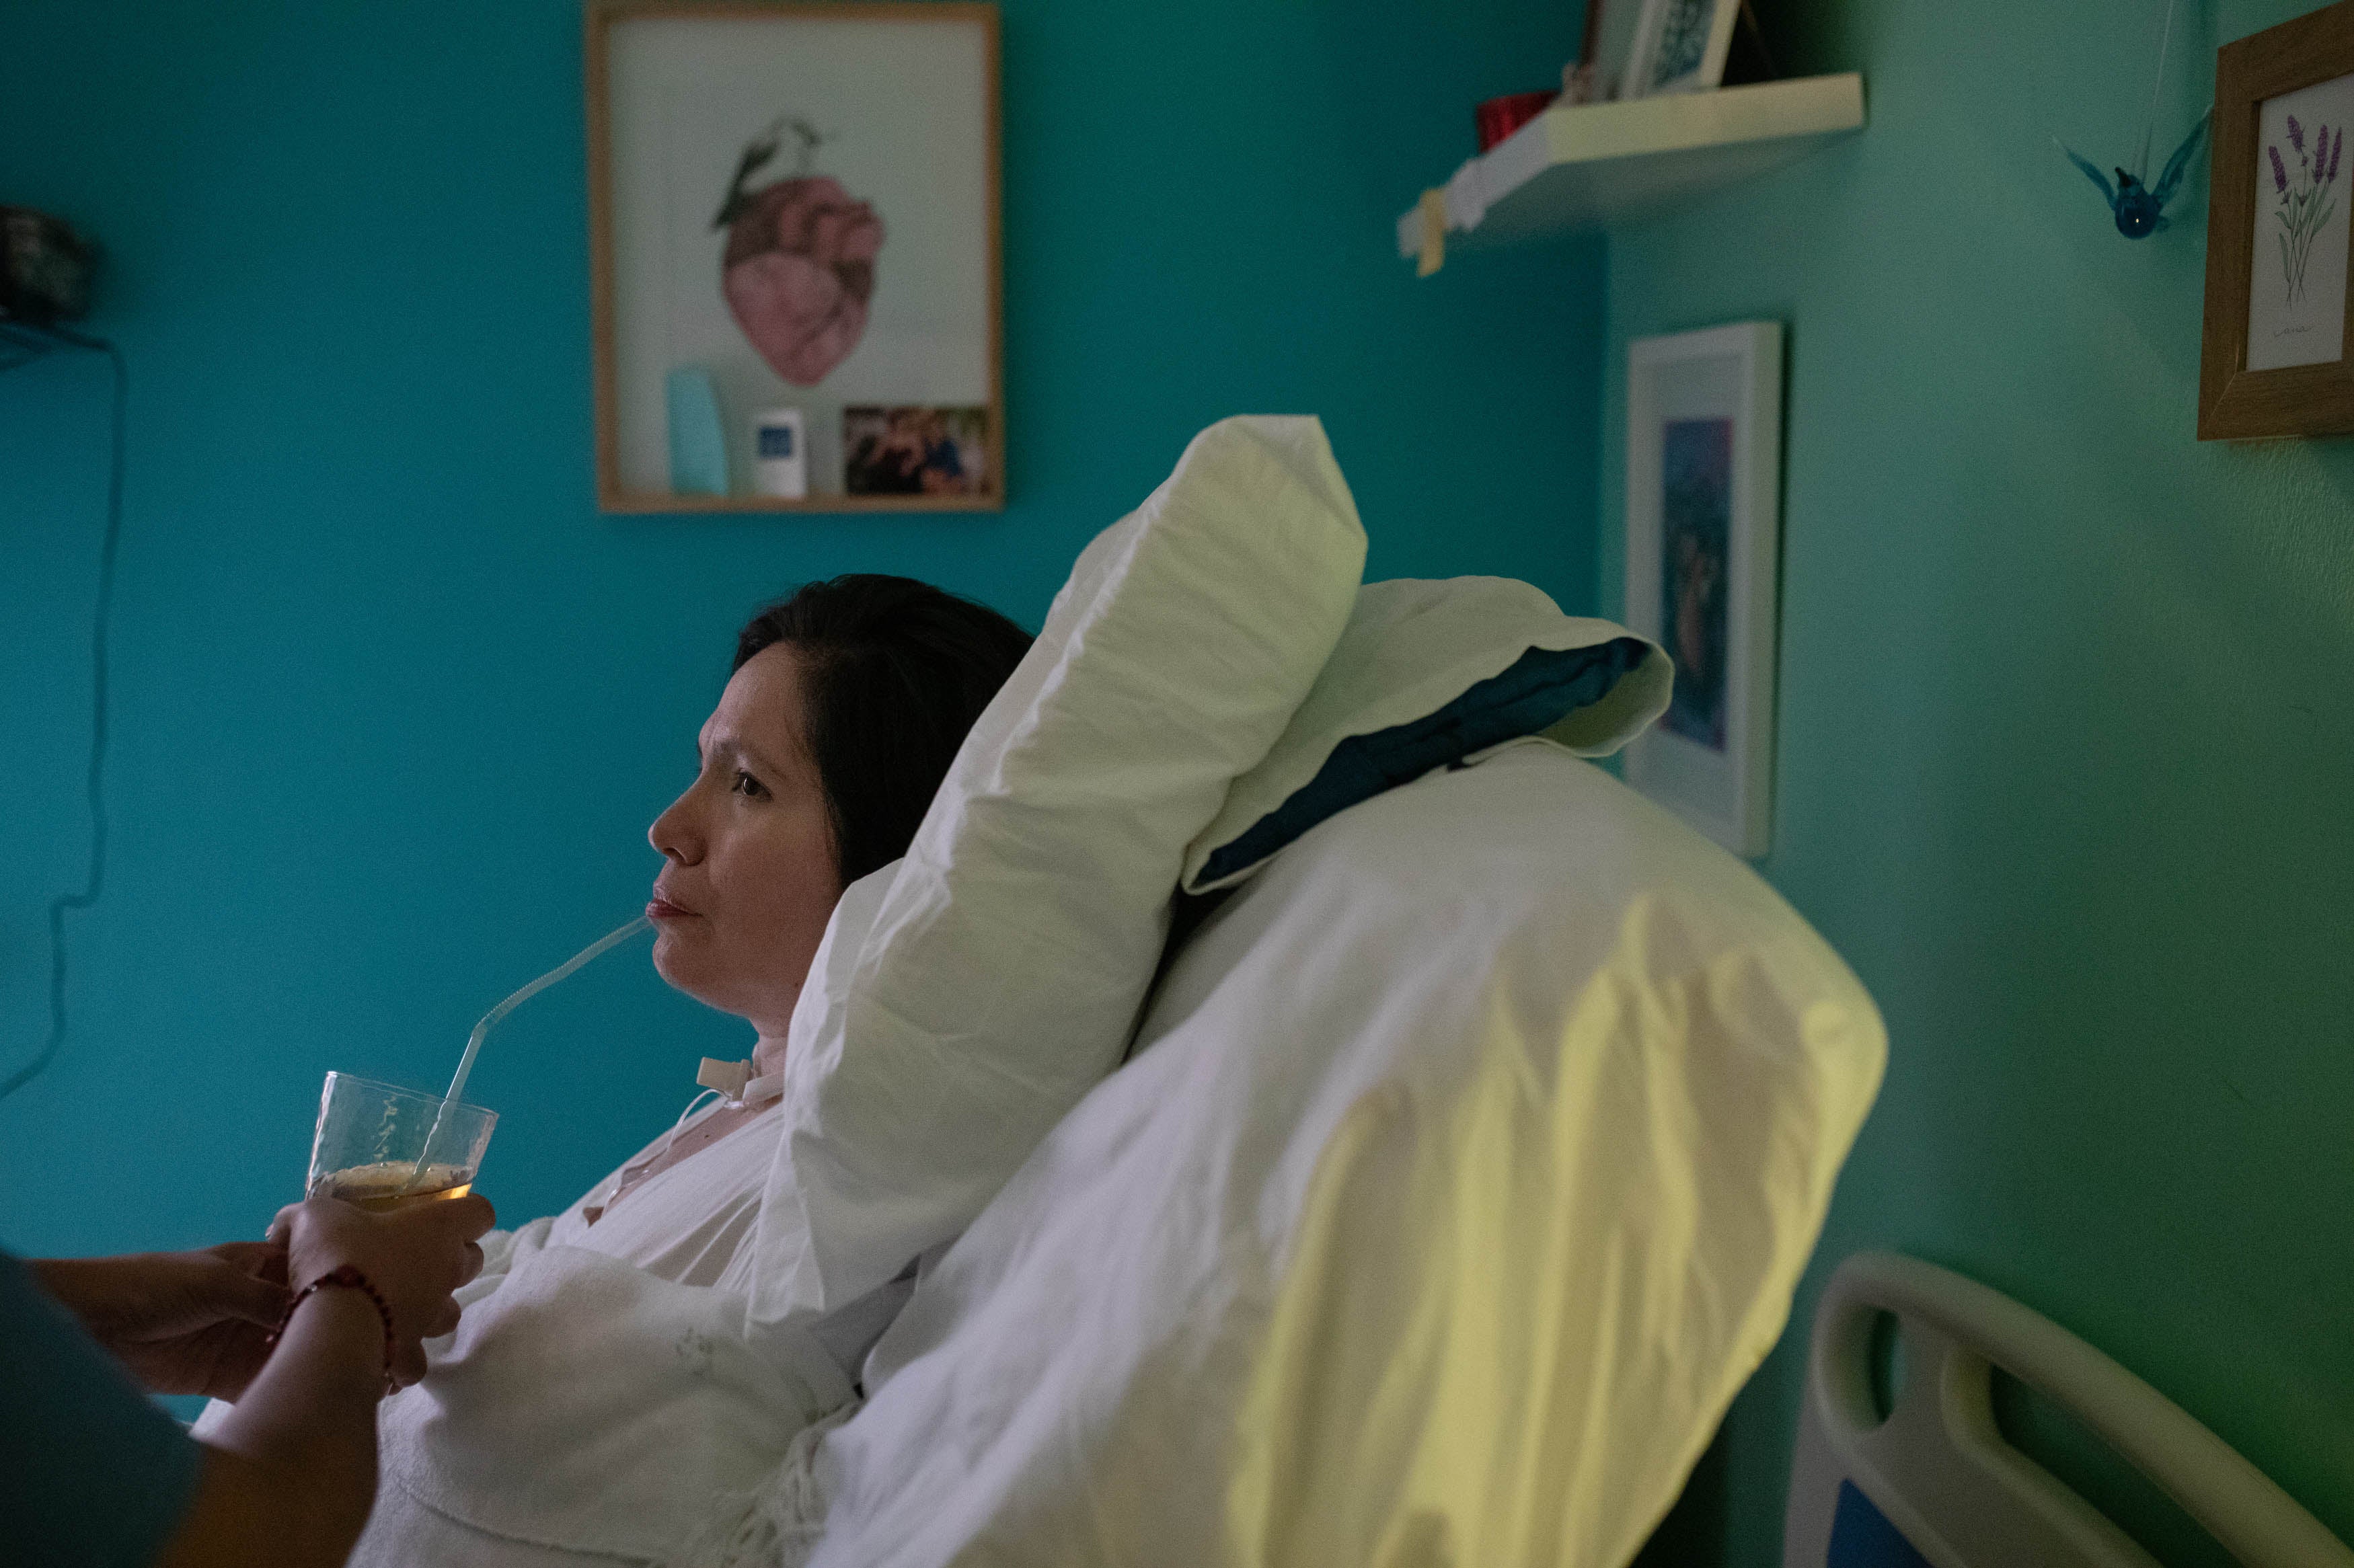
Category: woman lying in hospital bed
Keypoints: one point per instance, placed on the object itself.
(1214, 1307)
(847, 702)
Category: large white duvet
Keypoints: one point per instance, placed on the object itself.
(1466, 1167)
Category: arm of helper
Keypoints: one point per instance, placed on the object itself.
(181, 1322)
(288, 1476)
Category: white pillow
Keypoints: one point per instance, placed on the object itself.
(1467, 1163)
(1412, 646)
(1008, 958)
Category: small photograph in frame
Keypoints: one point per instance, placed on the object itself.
(1680, 45)
(1703, 489)
(794, 211)
(915, 452)
(2275, 354)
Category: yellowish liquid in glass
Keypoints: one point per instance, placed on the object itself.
(378, 1188)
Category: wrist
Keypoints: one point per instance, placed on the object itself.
(348, 1284)
(337, 1340)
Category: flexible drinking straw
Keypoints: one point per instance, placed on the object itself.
(491, 1021)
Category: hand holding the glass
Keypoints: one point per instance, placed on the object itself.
(415, 1257)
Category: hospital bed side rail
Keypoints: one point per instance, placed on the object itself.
(1956, 1493)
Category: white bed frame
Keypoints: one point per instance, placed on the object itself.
(1938, 1472)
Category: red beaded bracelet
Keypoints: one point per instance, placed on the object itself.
(349, 1276)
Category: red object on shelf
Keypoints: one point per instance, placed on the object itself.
(1500, 117)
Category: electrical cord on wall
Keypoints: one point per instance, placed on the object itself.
(19, 345)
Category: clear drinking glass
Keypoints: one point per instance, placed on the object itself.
(372, 1137)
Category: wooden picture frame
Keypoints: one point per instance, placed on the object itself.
(1703, 570)
(707, 329)
(2307, 61)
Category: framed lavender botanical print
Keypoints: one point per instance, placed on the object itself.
(793, 214)
(1703, 544)
(2276, 357)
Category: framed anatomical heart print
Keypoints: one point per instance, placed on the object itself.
(794, 225)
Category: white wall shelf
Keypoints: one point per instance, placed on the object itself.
(1592, 165)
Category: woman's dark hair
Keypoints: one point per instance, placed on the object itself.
(894, 672)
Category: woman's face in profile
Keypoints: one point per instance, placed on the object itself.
(752, 874)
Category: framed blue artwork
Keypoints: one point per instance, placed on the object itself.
(1704, 526)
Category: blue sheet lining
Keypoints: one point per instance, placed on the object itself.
(1539, 689)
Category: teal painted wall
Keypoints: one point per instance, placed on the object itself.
(2066, 750)
(393, 702)
(2065, 764)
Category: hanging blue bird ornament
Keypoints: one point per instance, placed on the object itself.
(2138, 206)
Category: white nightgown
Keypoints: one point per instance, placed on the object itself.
(692, 1225)
(584, 1409)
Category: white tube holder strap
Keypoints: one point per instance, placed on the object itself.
(735, 1083)
(1940, 1474)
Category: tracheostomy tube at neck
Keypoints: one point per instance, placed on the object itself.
(491, 1021)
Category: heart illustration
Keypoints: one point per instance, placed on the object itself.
(798, 272)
